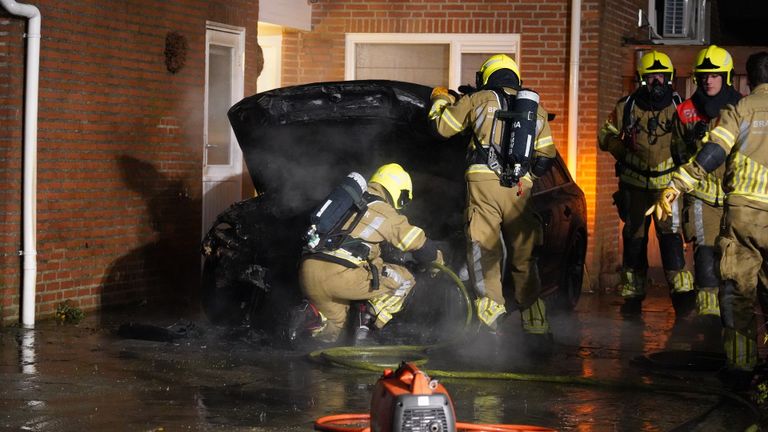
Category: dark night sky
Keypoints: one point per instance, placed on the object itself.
(740, 22)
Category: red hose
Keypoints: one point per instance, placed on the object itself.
(351, 423)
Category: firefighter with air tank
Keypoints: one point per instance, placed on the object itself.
(342, 261)
(740, 141)
(641, 134)
(511, 145)
(703, 205)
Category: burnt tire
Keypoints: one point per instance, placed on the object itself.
(226, 301)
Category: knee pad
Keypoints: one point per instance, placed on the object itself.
(635, 254)
(704, 268)
(726, 304)
(672, 257)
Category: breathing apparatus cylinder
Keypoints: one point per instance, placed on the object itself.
(327, 220)
(518, 136)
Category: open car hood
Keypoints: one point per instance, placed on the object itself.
(300, 141)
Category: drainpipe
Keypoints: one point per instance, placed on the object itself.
(29, 252)
(573, 89)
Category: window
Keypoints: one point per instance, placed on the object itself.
(679, 21)
(428, 59)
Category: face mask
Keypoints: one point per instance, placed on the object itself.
(657, 91)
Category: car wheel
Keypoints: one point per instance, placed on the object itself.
(226, 300)
(569, 288)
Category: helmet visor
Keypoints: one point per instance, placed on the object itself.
(403, 199)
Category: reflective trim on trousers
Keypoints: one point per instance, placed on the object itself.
(488, 311)
(632, 284)
(384, 306)
(740, 350)
(477, 269)
(706, 302)
(680, 281)
(535, 318)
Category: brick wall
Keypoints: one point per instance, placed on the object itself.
(544, 28)
(618, 20)
(120, 149)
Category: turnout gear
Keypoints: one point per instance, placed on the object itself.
(641, 135)
(742, 133)
(494, 213)
(703, 205)
(331, 279)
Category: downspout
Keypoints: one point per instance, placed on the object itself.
(29, 252)
(573, 89)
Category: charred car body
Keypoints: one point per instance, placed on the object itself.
(299, 142)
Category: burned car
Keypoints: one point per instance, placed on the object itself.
(299, 142)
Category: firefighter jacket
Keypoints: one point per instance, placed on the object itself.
(641, 141)
(742, 132)
(381, 223)
(691, 124)
(477, 111)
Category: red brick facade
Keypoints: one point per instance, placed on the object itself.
(120, 149)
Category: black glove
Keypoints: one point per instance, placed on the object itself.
(699, 130)
(467, 89)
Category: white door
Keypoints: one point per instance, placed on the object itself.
(222, 158)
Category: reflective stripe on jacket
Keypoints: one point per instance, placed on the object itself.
(742, 132)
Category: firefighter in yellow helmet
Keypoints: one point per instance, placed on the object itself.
(640, 133)
(740, 141)
(355, 270)
(703, 205)
(499, 190)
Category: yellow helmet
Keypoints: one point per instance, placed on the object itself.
(655, 62)
(714, 59)
(396, 181)
(494, 63)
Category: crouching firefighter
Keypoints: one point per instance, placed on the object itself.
(511, 146)
(342, 260)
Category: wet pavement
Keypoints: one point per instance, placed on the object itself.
(87, 377)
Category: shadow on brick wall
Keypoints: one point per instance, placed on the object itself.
(164, 271)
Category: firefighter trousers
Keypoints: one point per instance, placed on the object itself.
(499, 218)
(743, 248)
(701, 226)
(331, 287)
(633, 203)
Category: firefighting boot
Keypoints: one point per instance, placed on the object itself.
(685, 306)
(304, 320)
(364, 326)
(633, 291)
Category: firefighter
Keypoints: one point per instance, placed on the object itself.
(640, 134)
(496, 213)
(331, 279)
(740, 141)
(703, 205)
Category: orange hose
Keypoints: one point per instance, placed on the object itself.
(349, 423)
(340, 423)
(474, 427)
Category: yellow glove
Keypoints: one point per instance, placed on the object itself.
(663, 207)
(442, 93)
(433, 269)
